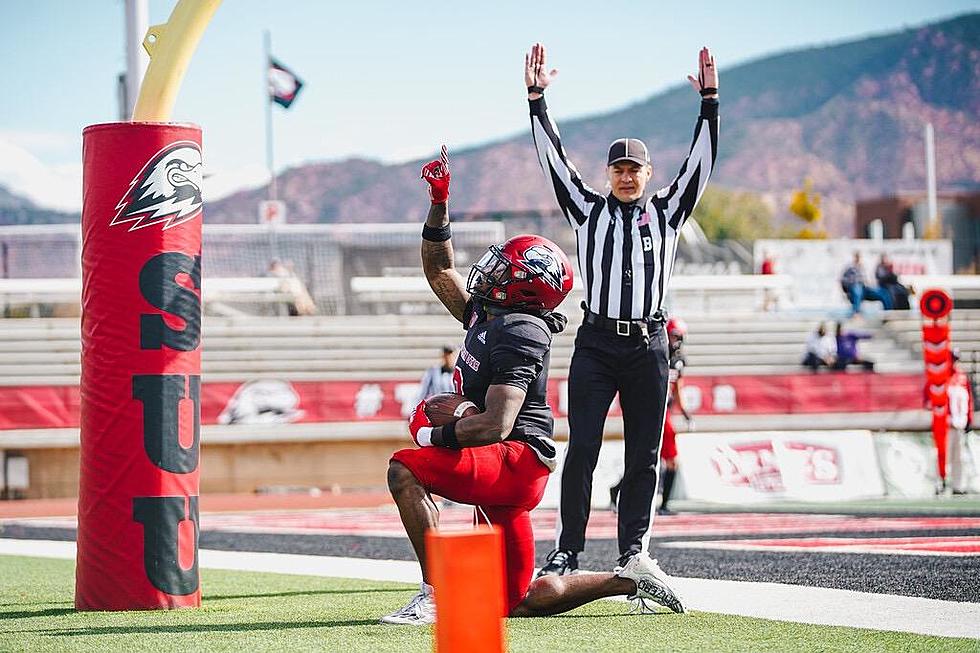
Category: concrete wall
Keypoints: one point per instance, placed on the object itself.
(242, 467)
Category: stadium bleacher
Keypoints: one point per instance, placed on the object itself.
(399, 347)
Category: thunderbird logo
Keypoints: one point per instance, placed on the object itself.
(542, 260)
(167, 189)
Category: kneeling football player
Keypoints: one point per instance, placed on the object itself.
(499, 459)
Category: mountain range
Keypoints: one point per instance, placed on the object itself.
(848, 116)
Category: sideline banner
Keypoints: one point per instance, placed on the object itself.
(139, 397)
(772, 466)
(272, 401)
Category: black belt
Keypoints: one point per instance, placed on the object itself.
(626, 328)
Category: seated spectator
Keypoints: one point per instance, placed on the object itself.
(301, 302)
(847, 349)
(821, 349)
(888, 282)
(853, 283)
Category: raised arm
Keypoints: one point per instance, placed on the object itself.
(575, 198)
(680, 197)
(437, 247)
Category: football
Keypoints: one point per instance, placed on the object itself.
(448, 407)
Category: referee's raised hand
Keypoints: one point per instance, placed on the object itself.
(706, 83)
(536, 73)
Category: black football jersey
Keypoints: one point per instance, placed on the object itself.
(511, 349)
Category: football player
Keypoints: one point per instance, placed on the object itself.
(498, 460)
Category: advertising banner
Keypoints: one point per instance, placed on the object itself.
(277, 401)
(759, 467)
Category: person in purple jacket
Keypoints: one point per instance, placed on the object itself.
(847, 349)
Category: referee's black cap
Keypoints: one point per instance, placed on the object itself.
(628, 149)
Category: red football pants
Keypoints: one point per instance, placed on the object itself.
(668, 448)
(506, 480)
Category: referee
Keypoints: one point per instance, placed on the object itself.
(627, 241)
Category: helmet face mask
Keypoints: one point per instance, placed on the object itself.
(525, 272)
(489, 276)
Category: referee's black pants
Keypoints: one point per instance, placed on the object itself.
(603, 364)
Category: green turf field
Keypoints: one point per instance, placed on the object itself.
(246, 612)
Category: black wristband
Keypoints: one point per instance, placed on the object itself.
(708, 90)
(535, 89)
(437, 234)
(447, 436)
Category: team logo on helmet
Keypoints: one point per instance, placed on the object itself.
(541, 259)
(167, 189)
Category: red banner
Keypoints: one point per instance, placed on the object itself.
(270, 401)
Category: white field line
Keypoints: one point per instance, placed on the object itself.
(747, 545)
(794, 603)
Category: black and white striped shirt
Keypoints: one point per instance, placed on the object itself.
(626, 251)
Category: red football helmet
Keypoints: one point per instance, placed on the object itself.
(525, 272)
(676, 327)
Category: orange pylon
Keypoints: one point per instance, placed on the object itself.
(466, 570)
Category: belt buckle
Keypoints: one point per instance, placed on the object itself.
(623, 327)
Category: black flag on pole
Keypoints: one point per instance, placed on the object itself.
(284, 85)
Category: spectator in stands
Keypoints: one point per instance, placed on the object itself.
(847, 349)
(888, 283)
(301, 302)
(853, 284)
(769, 297)
(821, 349)
(439, 378)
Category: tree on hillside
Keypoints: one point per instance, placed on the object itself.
(732, 215)
(806, 206)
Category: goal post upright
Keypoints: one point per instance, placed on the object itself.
(142, 206)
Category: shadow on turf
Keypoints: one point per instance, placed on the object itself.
(203, 628)
(219, 597)
(27, 614)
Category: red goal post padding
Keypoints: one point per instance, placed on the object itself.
(141, 366)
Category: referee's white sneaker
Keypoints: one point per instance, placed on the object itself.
(651, 582)
(419, 611)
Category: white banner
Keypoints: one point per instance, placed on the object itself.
(909, 468)
(816, 265)
(772, 466)
(608, 471)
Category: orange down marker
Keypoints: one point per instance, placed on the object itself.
(466, 570)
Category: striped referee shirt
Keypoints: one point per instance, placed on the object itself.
(626, 251)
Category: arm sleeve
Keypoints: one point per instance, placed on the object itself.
(680, 197)
(575, 198)
(518, 357)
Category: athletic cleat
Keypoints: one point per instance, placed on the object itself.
(651, 583)
(421, 610)
(559, 563)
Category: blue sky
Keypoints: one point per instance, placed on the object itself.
(384, 80)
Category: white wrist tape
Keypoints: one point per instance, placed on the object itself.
(424, 436)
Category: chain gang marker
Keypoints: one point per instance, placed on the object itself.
(936, 307)
(141, 332)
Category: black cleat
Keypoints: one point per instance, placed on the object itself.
(559, 563)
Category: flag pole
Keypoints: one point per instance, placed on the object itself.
(270, 162)
(268, 116)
